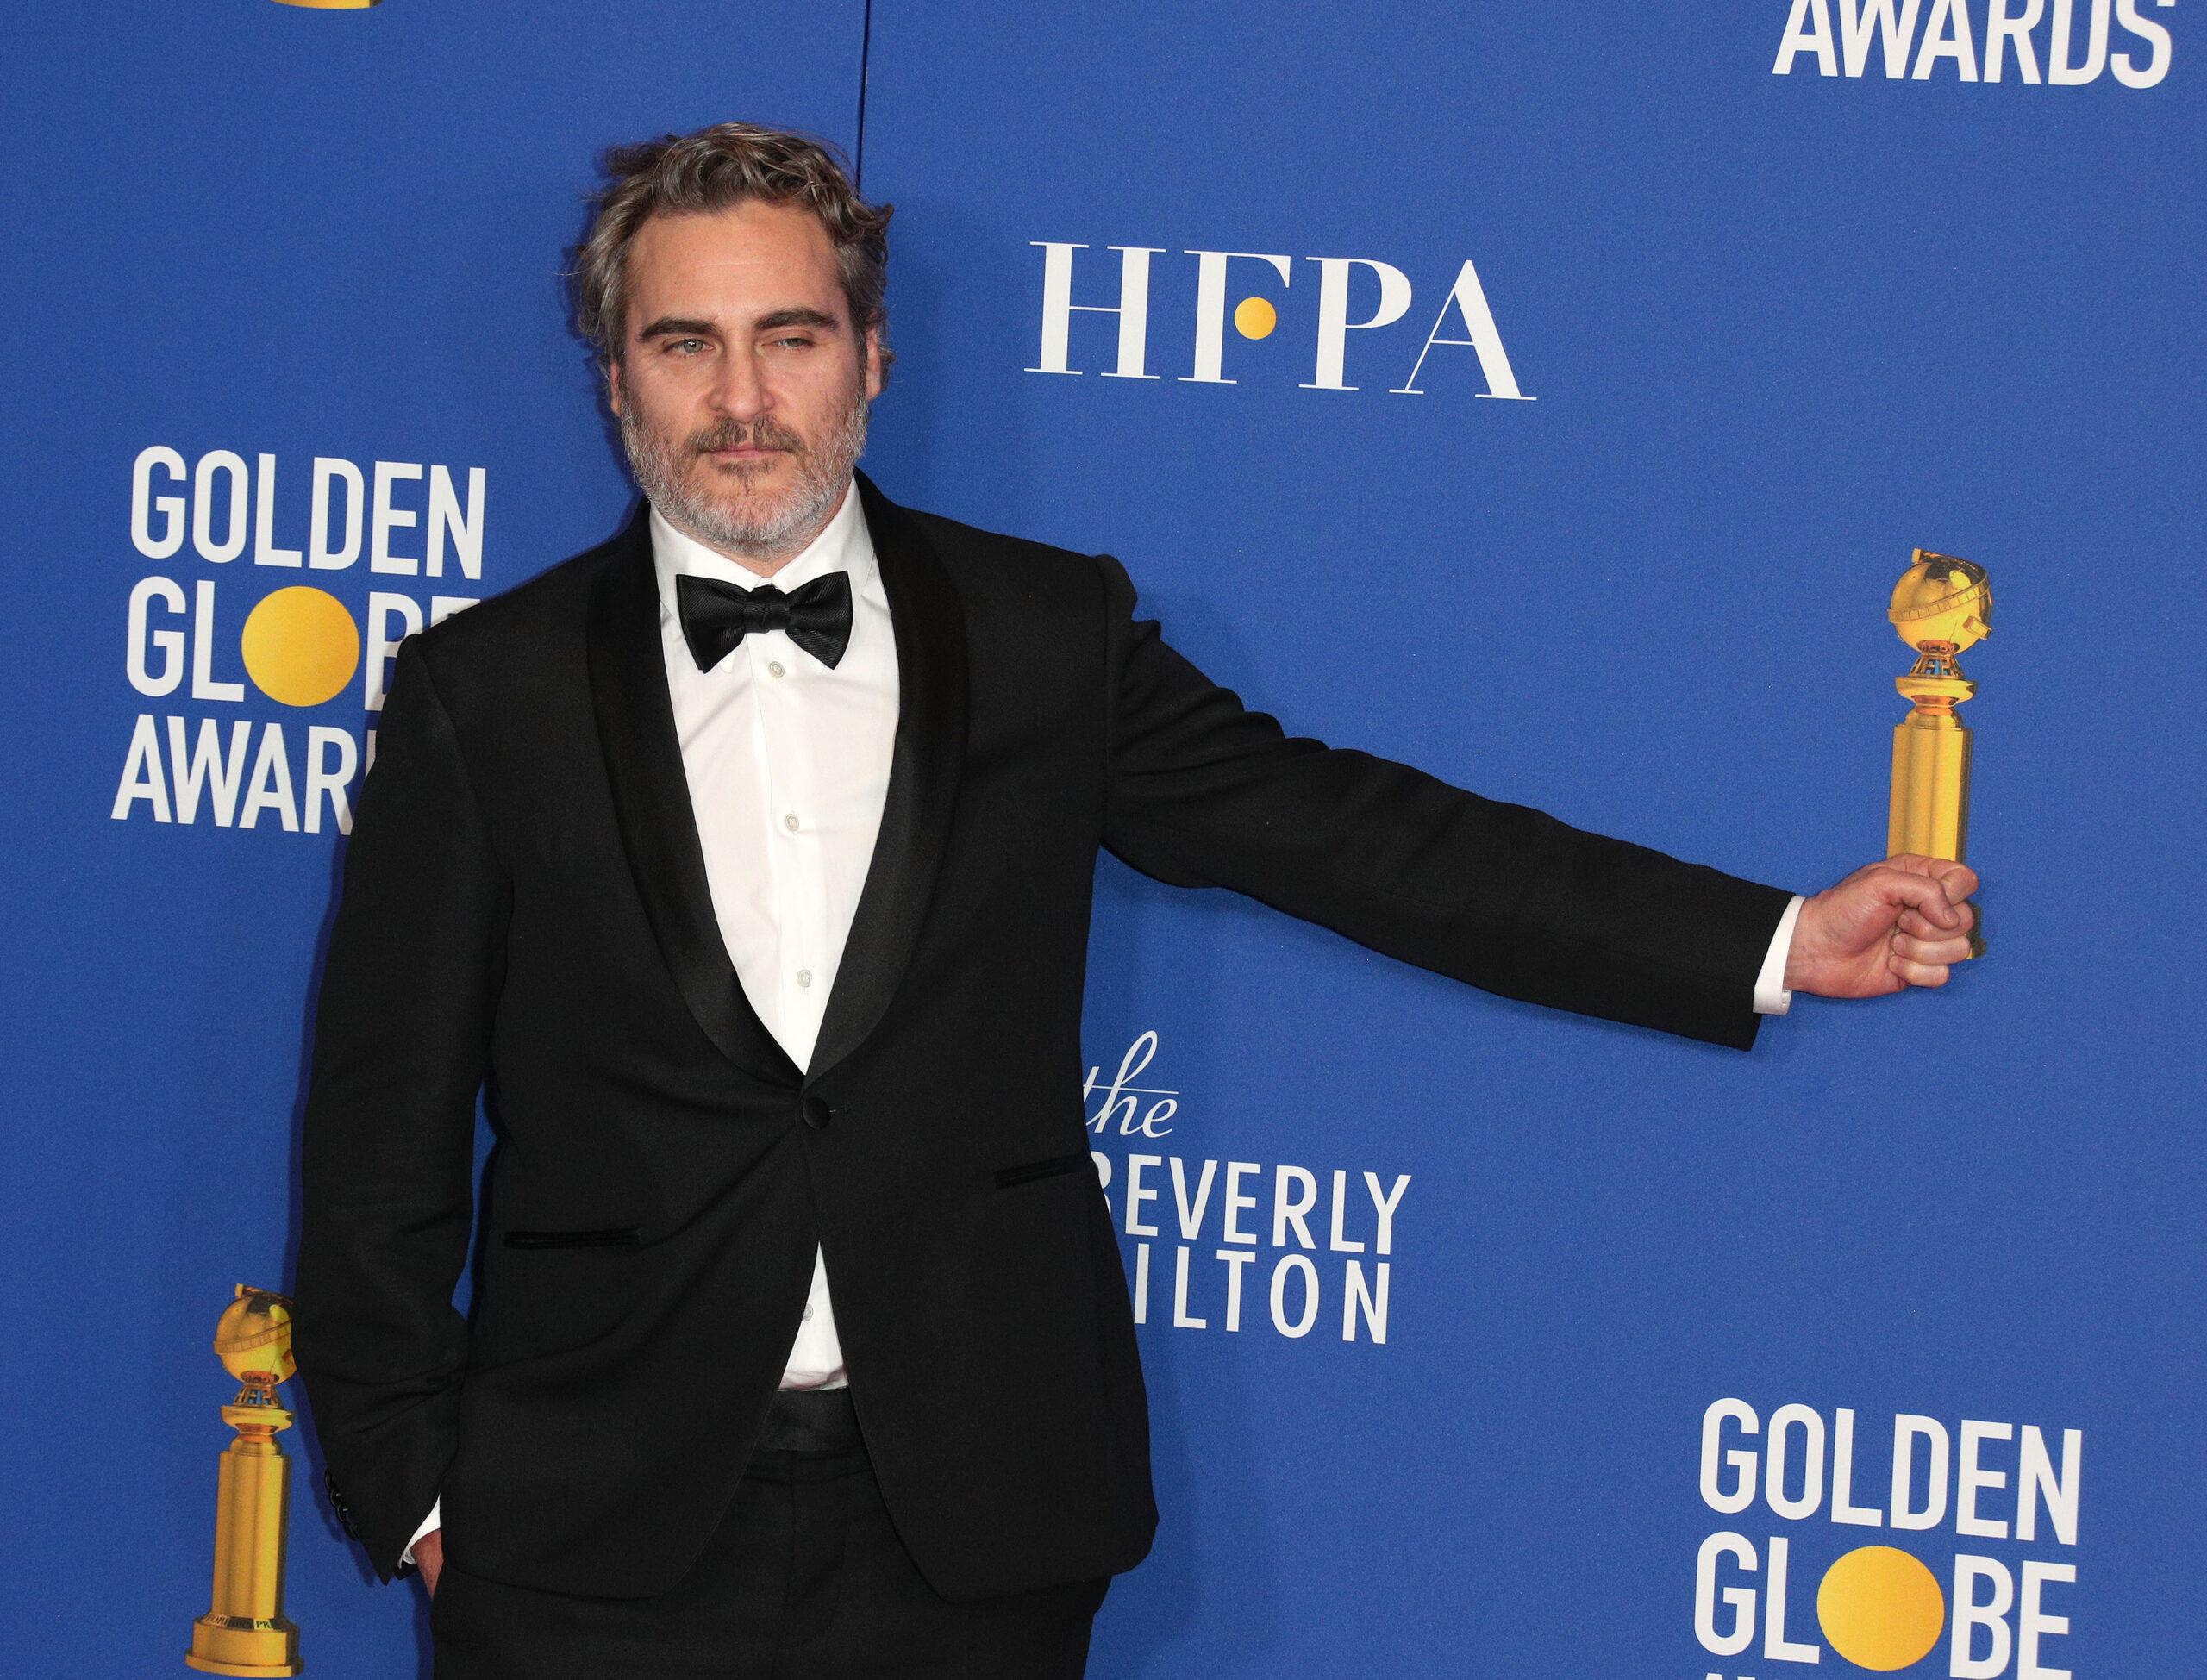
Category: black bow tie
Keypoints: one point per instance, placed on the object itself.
(717, 616)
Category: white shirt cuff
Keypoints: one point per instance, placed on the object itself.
(429, 1525)
(1770, 996)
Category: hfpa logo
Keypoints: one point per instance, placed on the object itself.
(1255, 316)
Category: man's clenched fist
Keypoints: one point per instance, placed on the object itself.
(1900, 923)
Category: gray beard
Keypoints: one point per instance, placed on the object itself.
(822, 476)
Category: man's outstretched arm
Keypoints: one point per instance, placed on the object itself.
(1203, 791)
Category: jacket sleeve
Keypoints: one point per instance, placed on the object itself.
(407, 994)
(1200, 791)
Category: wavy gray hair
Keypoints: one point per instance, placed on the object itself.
(714, 168)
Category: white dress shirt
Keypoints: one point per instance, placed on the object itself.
(788, 767)
(788, 764)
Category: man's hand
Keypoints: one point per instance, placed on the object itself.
(1893, 924)
(429, 1549)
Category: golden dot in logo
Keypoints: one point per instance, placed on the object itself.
(1254, 318)
(301, 645)
(1880, 1607)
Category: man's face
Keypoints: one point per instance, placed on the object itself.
(740, 388)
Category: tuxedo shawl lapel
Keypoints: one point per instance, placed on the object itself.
(659, 828)
(924, 764)
(651, 800)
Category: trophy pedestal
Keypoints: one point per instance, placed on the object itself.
(227, 1650)
(1929, 814)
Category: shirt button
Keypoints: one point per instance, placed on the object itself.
(773, 667)
(790, 822)
(808, 1314)
(804, 977)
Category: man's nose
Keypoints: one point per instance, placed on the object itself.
(738, 392)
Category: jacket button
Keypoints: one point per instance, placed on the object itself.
(818, 1113)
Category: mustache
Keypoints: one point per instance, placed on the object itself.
(763, 433)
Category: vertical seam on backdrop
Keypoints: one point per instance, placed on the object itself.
(865, 47)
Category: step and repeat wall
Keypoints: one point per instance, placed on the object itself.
(1548, 398)
(290, 376)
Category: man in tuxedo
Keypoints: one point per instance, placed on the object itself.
(745, 860)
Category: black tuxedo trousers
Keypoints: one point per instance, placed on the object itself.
(525, 914)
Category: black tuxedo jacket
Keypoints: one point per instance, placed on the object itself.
(525, 907)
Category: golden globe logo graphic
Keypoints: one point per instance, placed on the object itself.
(1254, 318)
(1356, 299)
(1981, 40)
(1880, 1607)
(1936, 1591)
(300, 646)
(224, 639)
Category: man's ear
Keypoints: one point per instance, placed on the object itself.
(613, 385)
(872, 363)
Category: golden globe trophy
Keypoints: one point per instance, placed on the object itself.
(246, 1633)
(1940, 606)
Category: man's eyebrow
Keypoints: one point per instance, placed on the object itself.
(767, 324)
(669, 326)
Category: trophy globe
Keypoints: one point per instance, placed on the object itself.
(1940, 606)
(252, 1339)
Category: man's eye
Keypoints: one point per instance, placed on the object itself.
(800, 343)
(685, 346)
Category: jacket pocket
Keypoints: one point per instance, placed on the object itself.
(622, 1236)
(1007, 1176)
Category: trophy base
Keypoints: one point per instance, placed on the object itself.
(236, 1644)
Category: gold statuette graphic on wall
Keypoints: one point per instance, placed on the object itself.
(1940, 606)
(246, 1633)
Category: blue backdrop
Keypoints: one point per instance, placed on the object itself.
(1679, 345)
(292, 237)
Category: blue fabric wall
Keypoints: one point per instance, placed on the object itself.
(1778, 330)
(283, 233)
(1775, 330)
